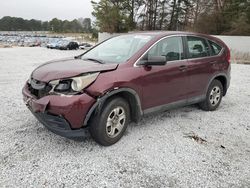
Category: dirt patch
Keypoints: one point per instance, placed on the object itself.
(195, 137)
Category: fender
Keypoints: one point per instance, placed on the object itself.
(101, 100)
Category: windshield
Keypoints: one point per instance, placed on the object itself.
(118, 49)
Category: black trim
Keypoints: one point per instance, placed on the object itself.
(185, 46)
(174, 105)
(209, 47)
(59, 125)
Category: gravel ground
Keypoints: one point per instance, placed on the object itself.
(153, 153)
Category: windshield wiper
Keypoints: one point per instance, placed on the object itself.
(95, 60)
(78, 56)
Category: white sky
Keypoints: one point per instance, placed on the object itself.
(46, 9)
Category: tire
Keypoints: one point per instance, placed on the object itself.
(213, 97)
(109, 124)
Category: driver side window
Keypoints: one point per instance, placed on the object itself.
(171, 48)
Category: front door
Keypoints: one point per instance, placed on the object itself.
(165, 84)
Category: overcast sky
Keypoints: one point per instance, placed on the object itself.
(46, 9)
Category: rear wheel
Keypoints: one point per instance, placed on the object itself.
(213, 96)
(109, 125)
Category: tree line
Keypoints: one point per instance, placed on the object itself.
(230, 17)
(8, 23)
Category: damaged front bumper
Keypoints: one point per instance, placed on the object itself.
(59, 125)
(62, 115)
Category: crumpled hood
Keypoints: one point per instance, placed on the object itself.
(69, 67)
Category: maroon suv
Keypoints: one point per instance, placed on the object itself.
(126, 77)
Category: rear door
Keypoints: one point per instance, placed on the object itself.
(200, 65)
(165, 84)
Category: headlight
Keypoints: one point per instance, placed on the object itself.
(73, 85)
(79, 83)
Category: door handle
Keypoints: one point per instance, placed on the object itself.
(213, 62)
(183, 67)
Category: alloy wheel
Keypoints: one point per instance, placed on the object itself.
(115, 122)
(215, 96)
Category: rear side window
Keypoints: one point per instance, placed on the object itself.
(197, 47)
(216, 48)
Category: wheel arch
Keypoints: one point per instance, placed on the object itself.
(223, 79)
(128, 94)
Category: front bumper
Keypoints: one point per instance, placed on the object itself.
(63, 115)
(59, 125)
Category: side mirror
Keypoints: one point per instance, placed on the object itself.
(154, 61)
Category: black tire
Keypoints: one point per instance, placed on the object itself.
(99, 122)
(212, 102)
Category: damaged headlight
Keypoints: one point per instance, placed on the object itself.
(74, 84)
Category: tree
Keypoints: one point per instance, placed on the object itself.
(19, 24)
(236, 14)
(179, 14)
(86, 24)
(45, 26)
(241, 25)
(110, 16)
(56, 25)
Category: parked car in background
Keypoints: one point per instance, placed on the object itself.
(68, 45)
(83, 44)
(33, 42)
(60, 43)
(126, 77)
(52, 45)
(87, 46)
(26, 40)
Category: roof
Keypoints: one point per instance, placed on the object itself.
(165, 33)
(160, 34)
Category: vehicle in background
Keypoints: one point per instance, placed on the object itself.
(33, 43)
(83, 44)
(68, 45)
(52, 45)
(24, 40)
(86, 46)
(60, 43)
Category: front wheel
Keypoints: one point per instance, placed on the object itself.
(213, 96)
(109, 125)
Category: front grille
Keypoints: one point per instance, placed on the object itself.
(39, 89)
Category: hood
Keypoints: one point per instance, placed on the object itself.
(66, 68)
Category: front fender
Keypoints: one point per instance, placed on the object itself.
(101, 100)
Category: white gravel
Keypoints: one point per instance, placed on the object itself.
(154, 153)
